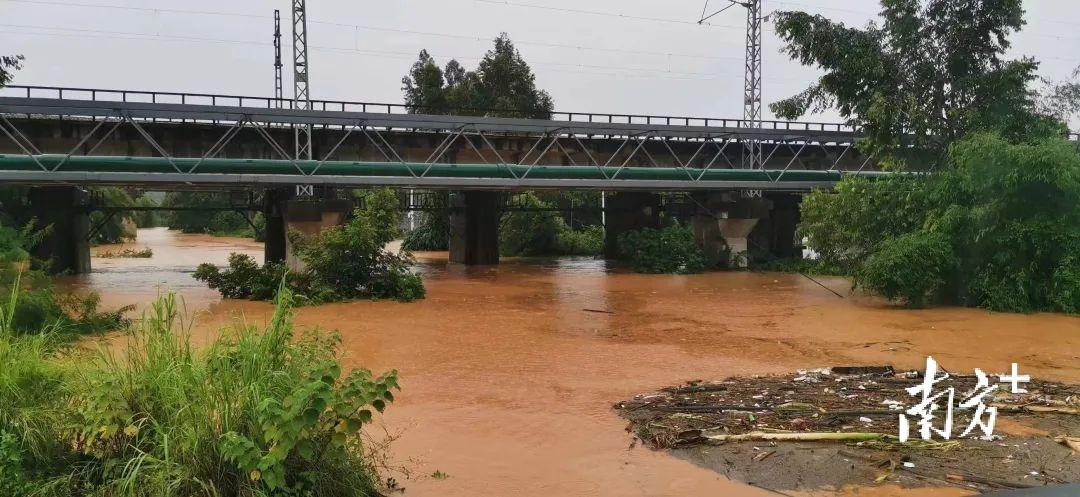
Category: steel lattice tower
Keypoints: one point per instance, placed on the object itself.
(753, 158)
(301, 90)
(279, 92)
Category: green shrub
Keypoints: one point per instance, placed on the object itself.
(667, 250)
(344, 262)
(432, 233)
(538, 230)
(243, 278)
(913, 268)
(1065, 289)
(1008, 210)
(586, 241)
(532, 231)
(217, 223)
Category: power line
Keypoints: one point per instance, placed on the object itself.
(602, 13)
(123, 35)
(142, 9)
(382, 29)
(526, 42)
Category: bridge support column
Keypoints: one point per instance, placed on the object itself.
(724, 224)
(775, 234)
(68, 244)
(628, 211)
(309, 216)
(474, 228)
(274, 204)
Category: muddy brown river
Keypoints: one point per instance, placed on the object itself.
(509, 372)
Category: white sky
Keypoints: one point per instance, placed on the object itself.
(604, 63)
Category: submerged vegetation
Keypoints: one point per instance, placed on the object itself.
(670, 249)
(127, 253)
(258, 412)
(536, 229)
(345, 262)
(217, 223)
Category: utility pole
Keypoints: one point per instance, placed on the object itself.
(301, 90)
(278, 87)
(753, 156)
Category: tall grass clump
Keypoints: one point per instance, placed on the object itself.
(257, 413)
(31, 389)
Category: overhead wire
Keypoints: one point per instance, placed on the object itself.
(127, 35)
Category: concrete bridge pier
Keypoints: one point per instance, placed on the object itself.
(775, 234)
(310, 215)
(274, 204)
(724, 225)
(628, 211)
(474, 227)
(67, 245)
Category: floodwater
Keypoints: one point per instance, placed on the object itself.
(509, 372)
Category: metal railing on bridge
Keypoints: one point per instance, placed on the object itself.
(146, 96)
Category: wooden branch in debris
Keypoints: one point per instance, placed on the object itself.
(1036, 409)
(791, 437)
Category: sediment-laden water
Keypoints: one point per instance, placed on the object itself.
(509, 372)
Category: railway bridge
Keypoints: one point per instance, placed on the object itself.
(61, 140)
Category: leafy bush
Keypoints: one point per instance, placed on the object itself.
(432, 233)
(535, 231)
(1065, 288)
(586, 241)
(243, 278)
(218, 223)
(255, 413)
(667, 250)
(1008, 212)
(846, 225)
(913, 267)
(341, 263)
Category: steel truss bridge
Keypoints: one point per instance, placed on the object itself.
(565, 151)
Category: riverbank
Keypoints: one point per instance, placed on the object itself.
(509, 373)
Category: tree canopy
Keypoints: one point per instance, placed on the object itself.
(929, 73)
(502, 85)
(8, 65)
(999, 226)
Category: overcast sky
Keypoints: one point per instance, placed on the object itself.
(619, 56)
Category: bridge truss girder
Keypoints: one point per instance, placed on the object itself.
(563, 140)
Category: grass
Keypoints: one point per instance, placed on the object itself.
(259, 412)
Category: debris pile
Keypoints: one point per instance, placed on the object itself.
(854, 413)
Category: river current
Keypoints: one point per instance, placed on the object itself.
(509, 372)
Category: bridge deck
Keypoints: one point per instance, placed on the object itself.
(594, 163)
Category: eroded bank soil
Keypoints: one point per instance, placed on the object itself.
(770, 431)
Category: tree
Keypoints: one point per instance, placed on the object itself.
(998, 224)
(931, 73)
(503, 85)
(1061, 100)
(8, 65)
